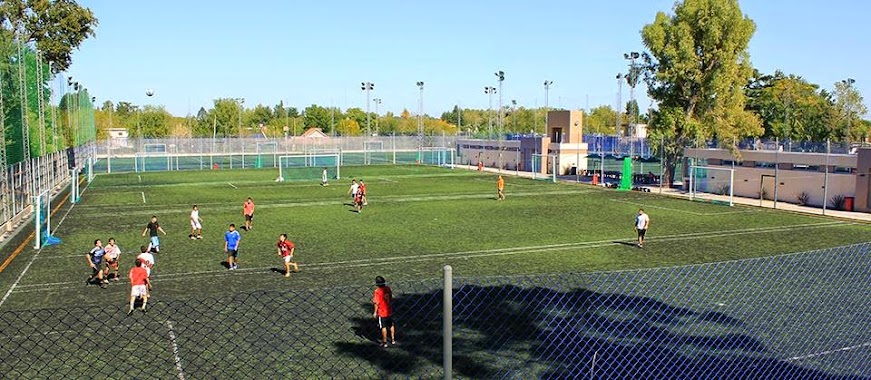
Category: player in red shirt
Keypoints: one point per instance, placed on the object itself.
(382, 300)
(362, 191)
(139, 285)
(285, 251)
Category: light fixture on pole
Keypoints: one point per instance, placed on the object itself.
(377, 103)
(368, 87)
(489, 90)
(618, 126)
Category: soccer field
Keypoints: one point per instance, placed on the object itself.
(575, 238)
(419, 218)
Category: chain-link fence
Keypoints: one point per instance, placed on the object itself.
(797, 316)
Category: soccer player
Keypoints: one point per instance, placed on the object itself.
(358, 201)
(248, 212)
(146, 258)
(500, 188)
(231, 246)
(95, 259)
(196, 224)
(353, 190)
(642, 222)
(382, 300)
(362, 191)
(285, 251)
(113, 253)
(152, 228)
(139, 285)
(324, 178)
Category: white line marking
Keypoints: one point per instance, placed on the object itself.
(232, 185)
(829, 352)
(470, 254)
(35, 255)
(387, 180)
(143, 196)
(269, 183)
(175, 354)
(140, 178)
(684, 211)
(381, 199)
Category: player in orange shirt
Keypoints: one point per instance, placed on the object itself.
(382, 300)
(285, 251)
(500, 188)
(248, 212)
(138, 285)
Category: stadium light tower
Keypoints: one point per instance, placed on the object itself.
(547, 84)
(500, 76)
(377, 103)
(619, 101)
(368, 87)
(490, 90)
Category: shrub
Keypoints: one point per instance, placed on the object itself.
(838, 202)
(803, 198)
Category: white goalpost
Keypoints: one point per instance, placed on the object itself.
(370, 147)
(42, 220)
(711, 182)
(438, 155)
(551, 162)
(309, 166)
(152, 150)
(266, 151)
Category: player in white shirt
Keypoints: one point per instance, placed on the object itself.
(196, 224)
(642, 223)
(353, 190)
(324, 178)
(147, 259)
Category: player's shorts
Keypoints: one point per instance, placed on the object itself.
(249, 218)
(288, 259)
(385, 322)
(148, 271)
(233, 252)
(96, 269)
(641, 233)
(138, 291)
(155, 241)
(196, 225)
(112, 264)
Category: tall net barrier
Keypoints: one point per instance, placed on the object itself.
(794, 316)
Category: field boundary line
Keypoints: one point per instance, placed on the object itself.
(471, 254)
(143, 197)
(232, 185)
(684, 211)
(385, 199)
(827, 352)
(175, 353)
(35, 255)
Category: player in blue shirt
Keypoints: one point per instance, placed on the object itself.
(231, 246)
(95, 258)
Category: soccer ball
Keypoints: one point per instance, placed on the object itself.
(149, 92)
(279, 179)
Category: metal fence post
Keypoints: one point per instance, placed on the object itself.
(447, 322)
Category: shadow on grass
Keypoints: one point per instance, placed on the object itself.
(514, 332)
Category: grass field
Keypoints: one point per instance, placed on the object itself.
(419, 218)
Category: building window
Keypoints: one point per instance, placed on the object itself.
(760, 164)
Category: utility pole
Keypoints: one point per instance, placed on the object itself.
(377, 103)
(489, 90)
(547, 84)
(420, 122)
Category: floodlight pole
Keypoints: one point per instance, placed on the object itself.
(632, 80)
(489, 90)
(826, 175)
(420, 122)
(547, 84)
(849, 84)
(368, 87)
(377, 103)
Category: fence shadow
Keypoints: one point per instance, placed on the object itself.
(517, 332)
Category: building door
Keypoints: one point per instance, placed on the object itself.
(557, 136)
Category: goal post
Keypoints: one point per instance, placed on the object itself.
(309, 166)
(548, 161)
(373, 152)
(42, 220)
(266, 152)
(159, 157)
(712, 183)
(439, 156)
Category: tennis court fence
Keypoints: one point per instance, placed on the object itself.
(794, 316)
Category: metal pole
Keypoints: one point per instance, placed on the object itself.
(447, 322)
(826, 175)
(776, 168)
(661, 161)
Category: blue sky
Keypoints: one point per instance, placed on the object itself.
(305, 52)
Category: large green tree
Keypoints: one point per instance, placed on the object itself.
(601, 119)
(851, 109)
(790, 107)
(57, 27)
(697, 67)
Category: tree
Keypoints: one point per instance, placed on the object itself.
(601, 119)
(850, 108)
(225, 116)
(790, 107)
(696, 69)
(349, 127)
(56, 26)
(315, 116)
